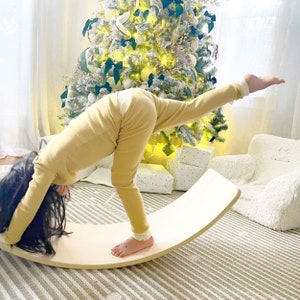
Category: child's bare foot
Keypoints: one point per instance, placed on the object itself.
(259, 83)
(131, 246)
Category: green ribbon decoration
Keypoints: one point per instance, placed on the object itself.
(88, 25)
(131, 41)
(212, 20)
(83, 62)
(116, 70)
(99, 87)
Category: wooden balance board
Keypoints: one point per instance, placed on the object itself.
(88, 247)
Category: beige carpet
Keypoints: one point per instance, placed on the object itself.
(235, 259)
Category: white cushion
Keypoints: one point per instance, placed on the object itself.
(235, 167)
(275, 205)
(150, 178)
(279, 203)
(274, 156)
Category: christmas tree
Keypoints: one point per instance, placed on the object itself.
(163, 46)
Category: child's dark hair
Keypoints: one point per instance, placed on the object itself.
(50, 219)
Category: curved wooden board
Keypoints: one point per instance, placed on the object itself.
(88, 247)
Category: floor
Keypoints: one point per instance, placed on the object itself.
(236, 259)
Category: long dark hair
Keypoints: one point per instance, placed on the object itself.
(50, 219)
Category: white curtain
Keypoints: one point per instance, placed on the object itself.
(260, 37)
(15, 109)
(40, 44)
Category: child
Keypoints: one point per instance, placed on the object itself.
(120, 123)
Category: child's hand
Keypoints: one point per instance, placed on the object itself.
(63, 190)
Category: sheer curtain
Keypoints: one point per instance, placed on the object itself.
(15, 109)
(260, 37)
(41, 41)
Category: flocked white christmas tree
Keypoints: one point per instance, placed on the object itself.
(163, 46)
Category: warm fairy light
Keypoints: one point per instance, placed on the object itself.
(151, 19)
(139, 39)
(135, 77)
(167, 60)
(117, 55)
(143, 4)
(147, 70)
